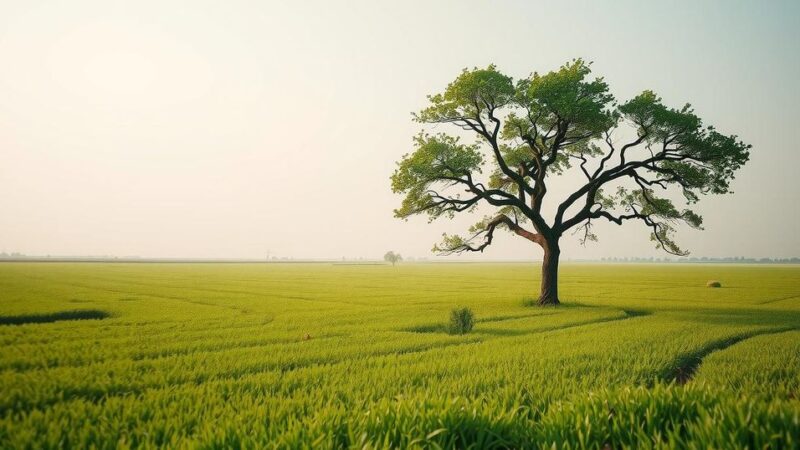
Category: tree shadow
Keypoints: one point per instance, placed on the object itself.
(83, 314)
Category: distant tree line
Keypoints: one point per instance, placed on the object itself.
(705, 259)
(397, 258)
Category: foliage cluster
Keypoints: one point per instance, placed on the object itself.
(392, 257)
(461, 321)
(636, 160)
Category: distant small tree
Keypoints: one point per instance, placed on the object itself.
(392, 257)
(632, 161)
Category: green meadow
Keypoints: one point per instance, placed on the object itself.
(120, 355)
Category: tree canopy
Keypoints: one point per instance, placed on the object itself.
(392, 257)
(638, 160)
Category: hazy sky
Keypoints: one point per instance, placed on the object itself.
(233, 129)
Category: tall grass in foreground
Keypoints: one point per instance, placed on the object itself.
(217, 356)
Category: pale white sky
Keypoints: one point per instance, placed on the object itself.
(230, 129)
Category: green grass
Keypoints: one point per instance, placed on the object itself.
(332, 356)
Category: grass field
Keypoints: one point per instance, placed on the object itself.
(331, 356)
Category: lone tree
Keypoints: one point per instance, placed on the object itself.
(392, 257)
(631, 161)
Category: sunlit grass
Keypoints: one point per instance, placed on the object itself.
(318, 355)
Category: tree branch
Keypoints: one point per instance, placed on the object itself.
(460, 246)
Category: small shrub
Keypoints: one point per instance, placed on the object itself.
(461, 321)
(714, 284)
(530, 301)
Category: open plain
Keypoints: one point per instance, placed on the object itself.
(111, 355)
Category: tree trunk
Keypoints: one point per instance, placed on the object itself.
(549, 292)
